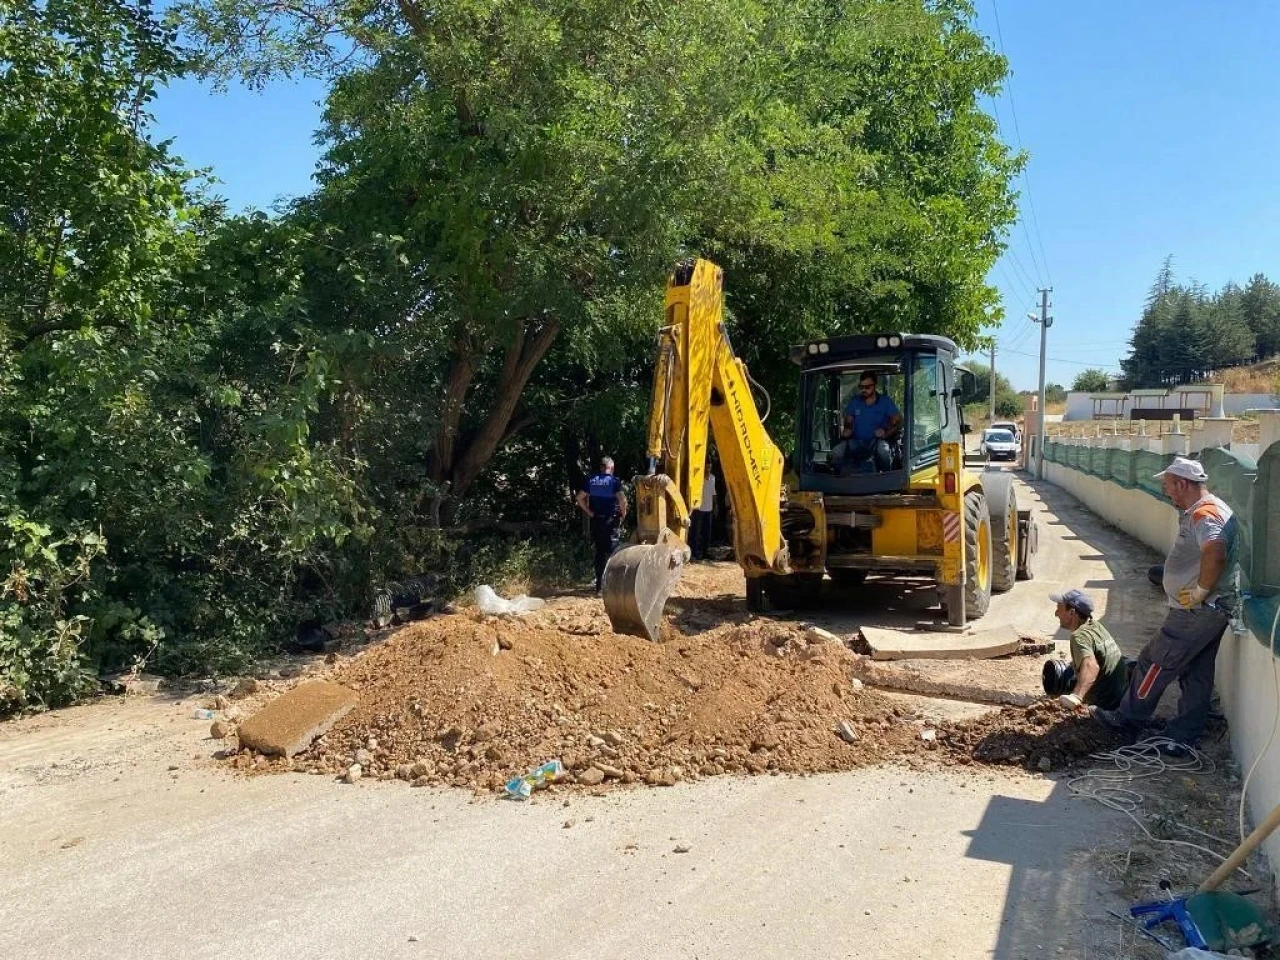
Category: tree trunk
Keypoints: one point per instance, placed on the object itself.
(521, 359)
(454, 465)
(440, 458)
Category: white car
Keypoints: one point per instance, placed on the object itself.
(999, 444)
(1007, 425)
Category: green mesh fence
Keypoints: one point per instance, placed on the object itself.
(1251, 490)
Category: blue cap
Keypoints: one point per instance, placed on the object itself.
(1076, 600)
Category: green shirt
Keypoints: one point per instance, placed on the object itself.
(1092, 640)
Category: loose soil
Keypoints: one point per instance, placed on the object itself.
(471, 701)
(1040, 737)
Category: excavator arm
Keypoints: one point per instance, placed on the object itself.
(700, 390)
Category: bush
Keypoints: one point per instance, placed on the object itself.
(43, 662)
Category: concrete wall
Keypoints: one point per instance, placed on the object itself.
(1134, 511)
(1234, 404)
(1247, 678)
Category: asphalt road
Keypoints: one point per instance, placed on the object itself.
(105, 851)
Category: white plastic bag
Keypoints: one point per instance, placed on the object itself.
(490, 603)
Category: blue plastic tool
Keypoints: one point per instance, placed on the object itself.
(1175, 909)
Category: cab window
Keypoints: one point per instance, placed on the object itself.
(927, 410)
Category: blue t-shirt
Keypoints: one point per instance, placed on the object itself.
(602, 492)
(868, 418)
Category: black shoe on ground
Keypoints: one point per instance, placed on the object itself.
(1174, 750)
(1108, 718)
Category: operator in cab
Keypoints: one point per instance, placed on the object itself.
(871, 419)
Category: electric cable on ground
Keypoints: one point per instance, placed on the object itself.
(1140, 761)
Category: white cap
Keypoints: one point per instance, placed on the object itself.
(1186, 469)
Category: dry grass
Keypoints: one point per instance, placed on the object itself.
(1262, 377)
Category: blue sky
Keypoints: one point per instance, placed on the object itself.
(1152, 129)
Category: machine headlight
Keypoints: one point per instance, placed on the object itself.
(824, 348)
(813, 348)
(895, 341)
(882, 342)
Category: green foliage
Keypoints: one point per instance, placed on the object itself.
(1008, 403)
(1092, 380)
(1186, 334)
(1055, 393)
(544, 164)
(213, 426)
(41, 661)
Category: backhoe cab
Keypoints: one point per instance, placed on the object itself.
(916, 511)
(900, 502)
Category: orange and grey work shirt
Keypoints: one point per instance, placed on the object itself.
(1206, 520)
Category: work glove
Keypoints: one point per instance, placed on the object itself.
(1070, 701)
(1194, 596)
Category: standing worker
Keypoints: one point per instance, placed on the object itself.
(601, 498)
(1187, 645)
(700, 532)
(1097, 674)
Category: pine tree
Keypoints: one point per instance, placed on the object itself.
(1260, 305)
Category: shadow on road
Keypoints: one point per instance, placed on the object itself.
(1053, 906)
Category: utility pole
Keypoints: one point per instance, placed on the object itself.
(993, 379)
(1045, 322)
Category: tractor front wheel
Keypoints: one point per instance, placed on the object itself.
(977, 555)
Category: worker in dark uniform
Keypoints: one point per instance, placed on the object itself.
(601, 498)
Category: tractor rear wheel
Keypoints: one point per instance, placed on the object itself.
(1002, 504)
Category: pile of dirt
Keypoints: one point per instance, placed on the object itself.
(1041, 737)
(471, 701)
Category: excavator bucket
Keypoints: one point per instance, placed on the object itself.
(637, 582)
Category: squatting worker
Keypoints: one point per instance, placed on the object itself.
(601, 498)
(870, 418)
(1097, 674)
(1199, 603)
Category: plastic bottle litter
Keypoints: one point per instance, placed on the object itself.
(203, 715)
(490, 603)
(521, 788)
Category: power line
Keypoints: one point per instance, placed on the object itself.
(1022, 287)
(1020, 336)
(1077, 363)
(1026, 177)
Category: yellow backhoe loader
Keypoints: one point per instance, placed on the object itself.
(913, 510)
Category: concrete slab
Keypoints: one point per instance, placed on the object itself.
(289, 723)
(889, 644)
(1015, 681)
(938, 709)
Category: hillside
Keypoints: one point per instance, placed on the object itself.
(1261, 377)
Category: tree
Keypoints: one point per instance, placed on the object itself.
(162, 494)
(1260, 305)
(1185, 333)
(546, 163)
(1092, 380)
(1008, 402)
(1055, 393)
